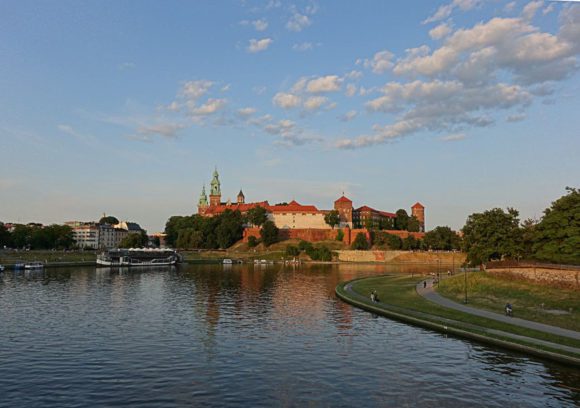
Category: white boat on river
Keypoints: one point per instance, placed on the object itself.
(138, 257)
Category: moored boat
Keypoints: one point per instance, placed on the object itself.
(33, 265)
(138, 257)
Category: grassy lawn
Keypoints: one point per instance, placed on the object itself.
(11, 257)
(557, 307)
(399, 291)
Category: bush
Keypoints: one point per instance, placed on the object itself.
(269, 233)
(253, 241)
(304, 245)
(292, 250)
(319, 254)
(340, 235)
(360, 242)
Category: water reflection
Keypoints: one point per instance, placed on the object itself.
(241, 335)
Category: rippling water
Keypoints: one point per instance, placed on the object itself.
(241, 336)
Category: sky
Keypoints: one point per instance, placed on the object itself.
(126, 107)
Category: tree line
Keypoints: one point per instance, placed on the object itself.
(37, 236)
(497, 234)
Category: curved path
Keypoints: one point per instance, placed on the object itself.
(430, 294)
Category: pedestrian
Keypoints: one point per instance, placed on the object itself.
(424, 284)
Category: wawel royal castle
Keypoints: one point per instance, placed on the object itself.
(295, 216)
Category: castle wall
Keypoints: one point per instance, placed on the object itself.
(292, 220)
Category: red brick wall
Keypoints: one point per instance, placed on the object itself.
(314, 234)
(405, 234)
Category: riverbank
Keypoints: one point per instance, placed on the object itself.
(399, 300)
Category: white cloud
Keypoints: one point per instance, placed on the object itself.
(442, 30)
(548, 9)
(298, 22)
(193, 90)
(453, 137)
(531, 8)
(329, 83)
(350, 90)
(125, 66)
(211, 106)
(510, 6)
(306, 46)
(445, 10)
(259, 45)
(282, 127)
(381, 62)
(168, 130)
(348, 116)
(314, 102)
(245, 112)
(354, 75)
(286, 100)
(516, 117)
(260, 25)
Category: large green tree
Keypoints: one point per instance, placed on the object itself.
(557, 236)
(442, 239)
(413, 224)
(5, 236)
(269, 233)
(135, 240)
(108, 219)
(492, 235)
(332, 218)
(401, 220)
(360, 242)
(257, 216)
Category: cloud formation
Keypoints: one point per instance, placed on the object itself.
(259, 45)
(497, 65)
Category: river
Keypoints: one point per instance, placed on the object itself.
(242, 336)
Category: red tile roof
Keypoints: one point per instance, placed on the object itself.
(293, 206)
(418, 205)
(343, 199)
(369, 209)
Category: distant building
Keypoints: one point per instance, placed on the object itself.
(91, 235)
(298, 216)
(85, 234)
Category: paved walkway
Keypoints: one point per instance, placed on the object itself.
(430, 294)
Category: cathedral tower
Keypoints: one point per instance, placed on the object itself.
(241, 198)
(202, 203)
(215, 194)
(418, 211)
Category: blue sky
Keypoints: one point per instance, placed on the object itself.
(125, 107)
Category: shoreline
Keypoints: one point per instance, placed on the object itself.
(441, 325)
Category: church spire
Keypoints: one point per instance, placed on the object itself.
(215, 194)
(203, 198)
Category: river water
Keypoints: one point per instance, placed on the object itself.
(242, 336)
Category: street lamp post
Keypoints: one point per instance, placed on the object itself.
(465, 284)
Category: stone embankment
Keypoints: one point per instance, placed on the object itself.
(444, 258)
(549, 275)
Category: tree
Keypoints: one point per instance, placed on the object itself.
(339, 235)
(319, 254)
(269, 233)
(252, 241)
(292, 250)
(109, 220)
(442, 239)
(492, 235)
(304, 245)
(557, 236)
(528, 228)
(413, 224)
(134, 240)
(360, 242)
(229, 229)
(401, 220)
(332, 218)
(257, 216)
(386, 223)
(5, 236)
